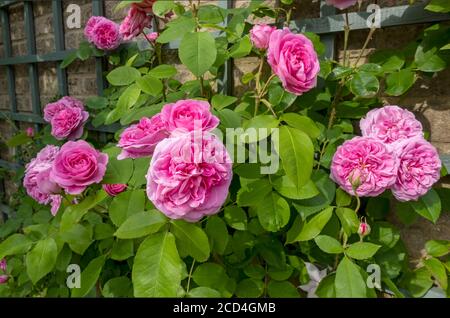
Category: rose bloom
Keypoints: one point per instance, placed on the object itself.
(29, 132)
(341, 4)
(37, 182)
(187, 115)
(419, 168)
(294, 60)
(365, 162)
(141, 139)
(114, 189)
(3, 279)
(78, 165)
(390, 124)
(52, 108)
(145, 5)
(105, 34)
(3, 264)
(134, 23)
(68, 123)
(91, 23)
(152, 36)
(260, 35)
(189, 178)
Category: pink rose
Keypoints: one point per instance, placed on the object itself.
(3, 279)
(89, 28)
(114, 189)
(37, 182)
(260, 35)
(294, 60)
(55, 204)
(189, 178)
(185, 115)
(141, 139)
(145, 5)
(366, 162)
(68, 123)
(341, 4)
(29, 132)
(105, 34)
(69, 101)
(134, 23)
(419, 168)
(390, 124)
(152, 36)
(3, 264)
(78, 165)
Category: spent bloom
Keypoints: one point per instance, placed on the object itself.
(341, 4)
(134, 23)
(260, 35)
(293, 59)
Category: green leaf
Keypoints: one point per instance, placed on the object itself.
(385, 234)
(372, 68)
(221, 101)
(15, 244)
(163, 71)
(218, 234)
(273, 212)
(160, 8)
(84, 51)
(349, 282)
(122, 250)
(428, 206)
(438, 6)
(212, 275)
(89, 276)
(192, 239)
(96, 102)
(198, 52)
(177, 28)
(286, 188)
(437, 248)
(362, 250)
(253, 192)
(429, 59)
(128, 98)
(249, 288)
(342, 198)
(418, 282)
(150, 85)
(118, 287)
(123, 75)
(304, 123)
(236, 217)
(72, 56)
(255, 271)
(282, 290)
(326, 287)
(125, 204)
(329, 244)
(211, 14)
(348, 219)
(364, 84)
(259, 127)
(437, 269)
(297, 153)
(19, 139)
(78, 237)
(41, 259)
(157, 267)
(241, 48)
(229, 118)
(203, 292)
(315, 225)
(141, 224)
(400, 82)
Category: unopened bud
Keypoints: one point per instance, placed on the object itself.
(3, 265)
(3, 279)
(30, 132)
(364, 228)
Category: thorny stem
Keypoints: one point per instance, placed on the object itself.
(369, 37)
(346, 34)
(258, 85)
(194, 9)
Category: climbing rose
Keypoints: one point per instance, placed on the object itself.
(78, 165)
(366, 163)
(185, 115)
(114, 189)
(390, 124)
(189, 176)
(419, 168)
(134, 23)
(37, 182)
(260, 35)
(52, 108)
(341, 4)
(294, 60)
(103, 33)
(141, 139)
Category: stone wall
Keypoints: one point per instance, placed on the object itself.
(430, 97)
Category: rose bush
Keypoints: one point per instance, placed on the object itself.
(272, 193)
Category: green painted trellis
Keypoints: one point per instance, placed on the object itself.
(327, 25)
